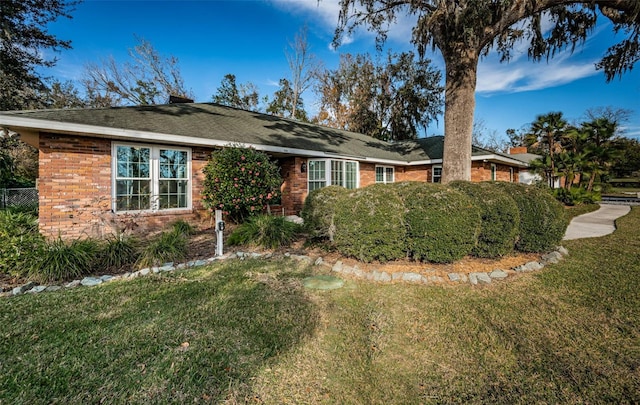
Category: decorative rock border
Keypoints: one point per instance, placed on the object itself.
(473, 278)
(338, 267)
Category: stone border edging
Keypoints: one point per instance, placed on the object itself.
(338, 267)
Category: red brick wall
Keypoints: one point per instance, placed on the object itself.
(75, 190)
(294, 185)
(481, 171)
(413, 173)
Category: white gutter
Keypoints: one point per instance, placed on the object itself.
(17, 122)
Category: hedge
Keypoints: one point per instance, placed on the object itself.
(500, 227)
(319, 211)
(442, 223)
(542, 219)
(370, 225)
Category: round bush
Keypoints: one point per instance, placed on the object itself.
(319, 211)
(240, 181)
(500, 218)
(369, 224)
(542, 218)
(442, 223)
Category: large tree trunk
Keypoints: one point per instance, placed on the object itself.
(460, 103)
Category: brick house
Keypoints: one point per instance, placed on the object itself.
(101, 168)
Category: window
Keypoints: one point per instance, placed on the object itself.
(493, 172)
(342, 173)
(384, 174)
(436, 174)
(511, 176)
(151, 178)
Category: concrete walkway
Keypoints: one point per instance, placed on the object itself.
(597, 223)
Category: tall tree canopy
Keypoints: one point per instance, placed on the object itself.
(23, 40)
(390, 100)
(465, 30)
(244, 96)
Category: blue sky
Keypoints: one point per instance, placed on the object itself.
(248, 38)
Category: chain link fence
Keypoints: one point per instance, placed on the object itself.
(18, 197)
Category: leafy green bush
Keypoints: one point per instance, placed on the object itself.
(60, 260)
(442, 223)
(240, 182)
(500, 218)
(370, 225)
(117, 252)
(267, 231)
(19, 238)
(167, 247)
(320, 209)
(542, 218)
(576, 196)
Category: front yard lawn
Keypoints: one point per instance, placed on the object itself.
(247, 331)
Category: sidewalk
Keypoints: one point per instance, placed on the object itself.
(597, 223)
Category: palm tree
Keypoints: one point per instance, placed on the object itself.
(546, 133)
(600, 146)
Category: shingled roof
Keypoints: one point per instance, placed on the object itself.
(215, 124)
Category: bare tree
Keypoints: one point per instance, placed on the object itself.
(148, 78)
(304, 68)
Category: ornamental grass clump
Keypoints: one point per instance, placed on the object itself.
(319, 211)
(241, 182)
(370, 225)
(542, 218)
(60, 260)
(442, 224)
(167, 247)
(267, 231)
(499, 230)
(118, 251)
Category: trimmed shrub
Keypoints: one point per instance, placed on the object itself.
(542, 218)
(60, 260)
(240, 182)
(370, 225)
(167, 247)
(500, 216)
(442, 224)
(576, 196)
(267, 231)
(19, 239)
(320, 209)
(118, 251)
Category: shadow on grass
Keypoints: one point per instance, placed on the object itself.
(199, 335)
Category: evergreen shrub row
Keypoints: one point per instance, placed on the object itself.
(433, 222)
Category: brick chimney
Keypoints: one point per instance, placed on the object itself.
(518, 150)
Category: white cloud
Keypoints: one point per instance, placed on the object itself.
(328, 11)
(525, 75)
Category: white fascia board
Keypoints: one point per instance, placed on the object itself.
(499, 158)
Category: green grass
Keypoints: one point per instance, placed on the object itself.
(567, 334)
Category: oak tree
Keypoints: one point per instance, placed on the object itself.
(465, 30)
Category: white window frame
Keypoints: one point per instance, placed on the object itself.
(512, 175)
(433, 174)
(328, 169)
(154, 173)
(385, 174)
(494, 172)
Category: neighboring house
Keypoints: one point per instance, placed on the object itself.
(526, 175)
(142, 166)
